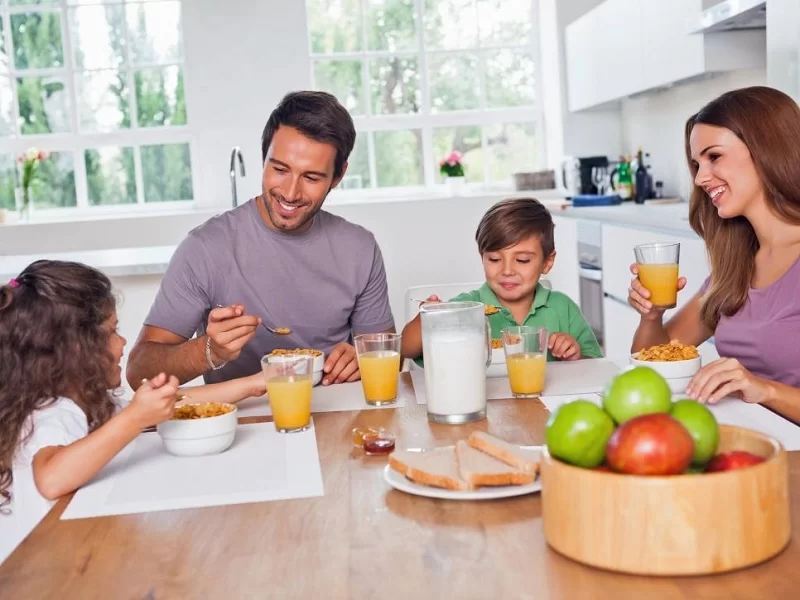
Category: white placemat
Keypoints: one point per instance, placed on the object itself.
(563, 378)
(331, 398)
(261, 465)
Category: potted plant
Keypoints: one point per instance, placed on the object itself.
(29, 162)
(452, 169)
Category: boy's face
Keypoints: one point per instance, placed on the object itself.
(513, 272)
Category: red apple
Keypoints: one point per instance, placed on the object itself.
(728, 461)
(653, 444)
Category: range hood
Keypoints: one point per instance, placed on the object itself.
(731, 15)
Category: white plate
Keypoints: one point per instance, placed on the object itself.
(400, 482)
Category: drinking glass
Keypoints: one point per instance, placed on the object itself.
(289, 383)
(658, 271)
(379, 362)
(526, 359)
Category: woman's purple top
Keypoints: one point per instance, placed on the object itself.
(765, 334)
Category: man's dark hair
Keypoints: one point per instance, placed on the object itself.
(317, 115)
(510, 221)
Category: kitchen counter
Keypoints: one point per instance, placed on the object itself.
(672, 218)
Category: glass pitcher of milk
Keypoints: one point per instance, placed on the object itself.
(456, 348)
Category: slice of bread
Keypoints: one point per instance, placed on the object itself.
(524, 459)
(437, 467)
(479, 469)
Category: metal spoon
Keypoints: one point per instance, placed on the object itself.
(272, 330)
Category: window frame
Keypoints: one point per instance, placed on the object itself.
(426, 121)
(77, 141)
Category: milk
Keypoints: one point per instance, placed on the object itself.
(455, 372)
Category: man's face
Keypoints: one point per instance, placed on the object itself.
(298, 174)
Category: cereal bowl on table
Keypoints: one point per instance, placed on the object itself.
(675, 362)
(691, 524)
(319, 359)
(199, 429)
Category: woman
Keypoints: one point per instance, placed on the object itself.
(743, 151)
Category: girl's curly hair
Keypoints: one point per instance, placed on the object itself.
(52, 343)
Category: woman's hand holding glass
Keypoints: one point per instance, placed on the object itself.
(638, 297)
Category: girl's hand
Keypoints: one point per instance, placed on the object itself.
(638, 297)
(564, 347)
(727, 377)
(154, 401)
(256, 384)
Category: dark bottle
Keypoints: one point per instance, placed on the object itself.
(642, 181)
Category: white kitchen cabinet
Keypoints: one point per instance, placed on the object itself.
(619, 324)
(564, 275)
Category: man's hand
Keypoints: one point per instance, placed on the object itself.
(230, 329)
(341, 365)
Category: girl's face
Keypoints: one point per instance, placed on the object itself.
(725, 171)
(116, 345)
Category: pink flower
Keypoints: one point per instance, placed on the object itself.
(21, 158)
(42, 154)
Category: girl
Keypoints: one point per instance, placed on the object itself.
(59, 357)
(743, 152)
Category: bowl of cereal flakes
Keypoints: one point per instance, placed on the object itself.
(199, 429)
(676, 362)
(319, 359)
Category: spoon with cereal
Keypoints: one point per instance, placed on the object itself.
(272, 330)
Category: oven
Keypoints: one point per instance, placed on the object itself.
(590, 265)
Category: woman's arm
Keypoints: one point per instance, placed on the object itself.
(685, 326)
(784, 400)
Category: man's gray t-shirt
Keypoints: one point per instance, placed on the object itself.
(322, 284)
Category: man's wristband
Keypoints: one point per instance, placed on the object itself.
(208, 356)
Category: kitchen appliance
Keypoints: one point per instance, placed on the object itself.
(577, 174)
(590, 264)
(571, 175)
(732, 15)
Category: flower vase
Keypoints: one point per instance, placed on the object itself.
(455, 185)
(25, 210)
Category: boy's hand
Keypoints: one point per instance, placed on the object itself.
(564, 347)
(154, 401)
(430, 300)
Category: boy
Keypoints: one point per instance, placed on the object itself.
(515, 241)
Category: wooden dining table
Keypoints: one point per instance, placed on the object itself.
(362, 539)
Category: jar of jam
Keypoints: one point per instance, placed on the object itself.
(373, 441)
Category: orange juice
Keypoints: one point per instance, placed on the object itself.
(526, 373)
(662, 283)
(379, 373)
(290, 399)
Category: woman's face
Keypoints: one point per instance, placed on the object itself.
(116, 345)
(725, 171)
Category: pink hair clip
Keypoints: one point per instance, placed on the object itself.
(13, 283)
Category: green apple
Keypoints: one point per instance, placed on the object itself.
(700, 422)
(577, 433)
(637, 391)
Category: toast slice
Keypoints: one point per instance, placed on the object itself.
(437, 467)
(479, 469)
(525, 459)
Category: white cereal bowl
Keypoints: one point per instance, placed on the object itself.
(199, 437)
(678, 373)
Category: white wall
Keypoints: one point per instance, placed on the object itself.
(656, 120)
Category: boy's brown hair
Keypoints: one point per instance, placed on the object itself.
(510, 221)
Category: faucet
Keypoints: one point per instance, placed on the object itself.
(237, 151)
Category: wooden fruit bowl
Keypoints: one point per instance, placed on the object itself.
(679, 525)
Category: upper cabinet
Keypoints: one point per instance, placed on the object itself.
(626, 47)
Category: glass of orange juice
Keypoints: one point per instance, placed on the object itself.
(526, 359)
(289, 382)
(379, 363)
(658, 272)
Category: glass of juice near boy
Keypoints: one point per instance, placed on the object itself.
(289, 382)
(379, 362)
(526, 359)
(658, 272)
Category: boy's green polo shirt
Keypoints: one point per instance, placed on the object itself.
(551, 309)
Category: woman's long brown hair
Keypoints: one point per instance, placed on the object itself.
(52, 343)
(768, 122)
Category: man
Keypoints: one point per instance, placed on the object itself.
(278, 260)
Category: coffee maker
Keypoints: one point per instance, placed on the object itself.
(587, 166)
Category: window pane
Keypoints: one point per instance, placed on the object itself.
(159, 97)
(342, 78)
(512, 148)
(454, 82)
(466, 140)
(394, 84)
(390, 25)
(357, 175)
(451, 24)
(334, 25)
(54, 184)
(8, 181)
(30, 2)
(104, 100)
(6, 106)
(43, 105)
(36, 38)
(167, 173)
(509, 79)
(504, 22)
(5, 61)
(98, 36)
(398, 158)
(155, 32)
(110, 175)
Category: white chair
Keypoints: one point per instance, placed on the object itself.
(445, 291)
